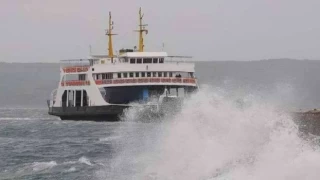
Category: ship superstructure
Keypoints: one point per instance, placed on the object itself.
(103, 86)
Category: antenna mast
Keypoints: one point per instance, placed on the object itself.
(109, 34)
(142, 29)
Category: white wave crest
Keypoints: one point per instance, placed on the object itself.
(85, 160)
(215, 137)
(41, 166)
(72, 169)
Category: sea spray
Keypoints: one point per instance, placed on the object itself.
(215, 138)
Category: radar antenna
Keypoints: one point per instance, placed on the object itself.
(110, 34)
(142, 29)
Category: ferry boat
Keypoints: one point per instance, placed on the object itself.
(101, 87)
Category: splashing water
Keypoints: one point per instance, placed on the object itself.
(216, 139)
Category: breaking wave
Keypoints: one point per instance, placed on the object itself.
(216, 137)
(41, 166)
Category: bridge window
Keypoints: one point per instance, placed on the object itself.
(137, 74)
(155, 60)
(170, 74)
(119, 75)
(165, 74)
(143, 74)
(139, 61)
(103, 76)
(132, 61)
(131, 74)
(154, 74)
(148, 74)
(159, 74)
(147, 60)
(161, 60)
(125, 75)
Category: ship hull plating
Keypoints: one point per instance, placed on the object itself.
(92, 113)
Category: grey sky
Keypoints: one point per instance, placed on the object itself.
(50, 30)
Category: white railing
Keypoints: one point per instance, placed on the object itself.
(125, 60)
(76, 62)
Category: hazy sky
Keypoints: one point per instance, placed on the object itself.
(50, 30)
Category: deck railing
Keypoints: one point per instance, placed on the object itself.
(75, 83)
(83, 65)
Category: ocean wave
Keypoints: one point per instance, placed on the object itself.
(215, 138)
(85, 160)
(26, 118)
(72, 169)
(23, 108)
(110, 138)
(40, 166)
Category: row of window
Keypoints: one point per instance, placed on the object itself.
(146, 60)
(144, 74)
(141, 74)
(103, 76)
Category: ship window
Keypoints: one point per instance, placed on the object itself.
(70, 98)
(165, 74)
(154, 74)
(147, 60)
(191, 74)
(155, 60)
(148, 74)
(82, 77)
(103, 76)
(159, 74)
(132, 61)
(161, 60)
(143, 74)
(139, 61)
(109, 76)
(119, 75)
(84, 98)
(125, 75)
(170, 74)
(131, 74)
(137, 74)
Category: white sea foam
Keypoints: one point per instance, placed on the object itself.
(109, 139)
(214, 137)
(72, 169)
(40, 166)
(85, 160)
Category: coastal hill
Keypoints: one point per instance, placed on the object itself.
(295, 82)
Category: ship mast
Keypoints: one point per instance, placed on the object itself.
(109, 34)
(141, 30)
